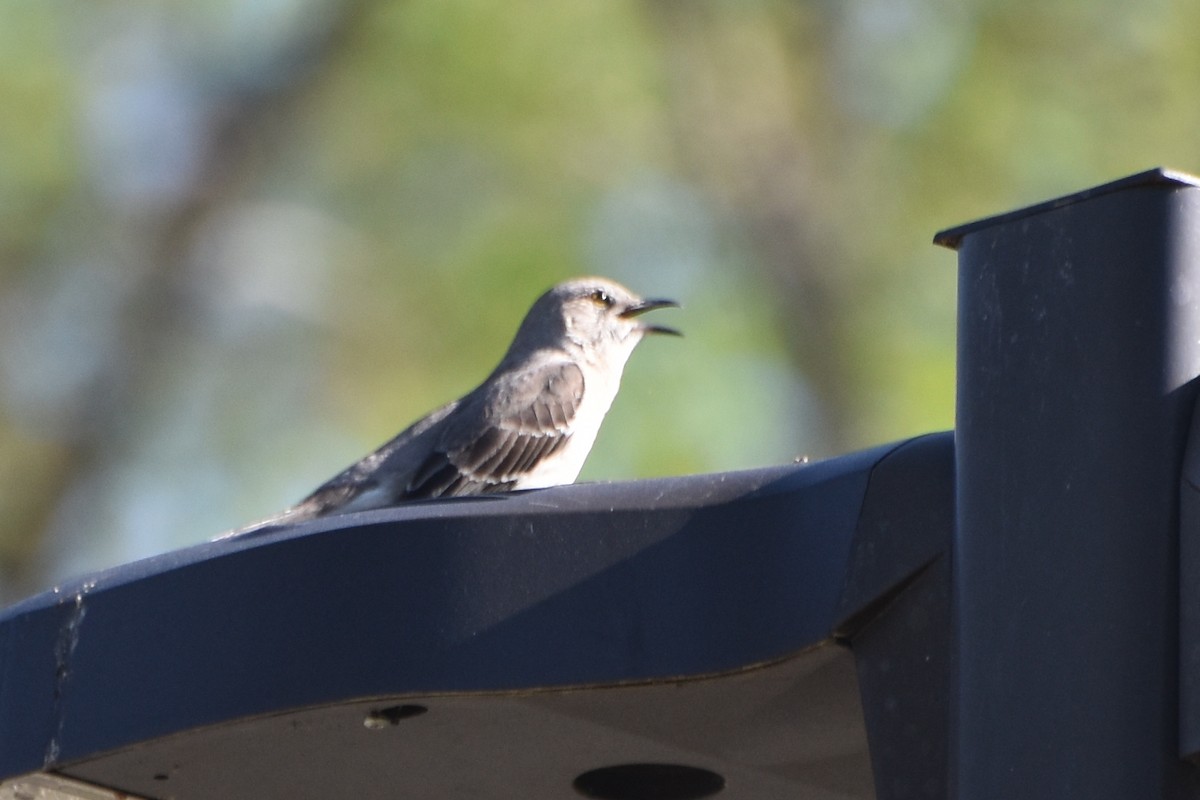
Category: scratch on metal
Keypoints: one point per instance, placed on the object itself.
(64, 649)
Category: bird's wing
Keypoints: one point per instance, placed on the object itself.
(524, 417)
(482, 443)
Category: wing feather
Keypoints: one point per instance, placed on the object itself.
(502, 431)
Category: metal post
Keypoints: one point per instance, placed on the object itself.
(1079, 343)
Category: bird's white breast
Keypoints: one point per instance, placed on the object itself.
(599, 389)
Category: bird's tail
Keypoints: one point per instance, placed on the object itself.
(289, 516)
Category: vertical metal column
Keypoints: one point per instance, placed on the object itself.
(1079, 345)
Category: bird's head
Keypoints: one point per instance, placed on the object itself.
(599, 317)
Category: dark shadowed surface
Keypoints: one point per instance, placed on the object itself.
(518, 640)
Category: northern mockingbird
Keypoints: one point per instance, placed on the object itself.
(530, 424)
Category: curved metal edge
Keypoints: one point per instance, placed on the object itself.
(583, 585)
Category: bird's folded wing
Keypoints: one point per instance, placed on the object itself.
(525, 417)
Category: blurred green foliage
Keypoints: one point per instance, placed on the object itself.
(243, 243)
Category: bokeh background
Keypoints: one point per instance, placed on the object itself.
(243, 242)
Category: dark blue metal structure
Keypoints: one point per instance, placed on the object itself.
(1079, 350)
(993, 612)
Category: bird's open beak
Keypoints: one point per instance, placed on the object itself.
(649, 305)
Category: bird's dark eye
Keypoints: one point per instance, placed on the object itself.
(601, 298)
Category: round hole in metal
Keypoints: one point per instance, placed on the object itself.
(392, 715)
(649, 782)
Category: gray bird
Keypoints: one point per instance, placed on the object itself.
(530, 424)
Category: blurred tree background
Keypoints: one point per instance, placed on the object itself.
(242, 243)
